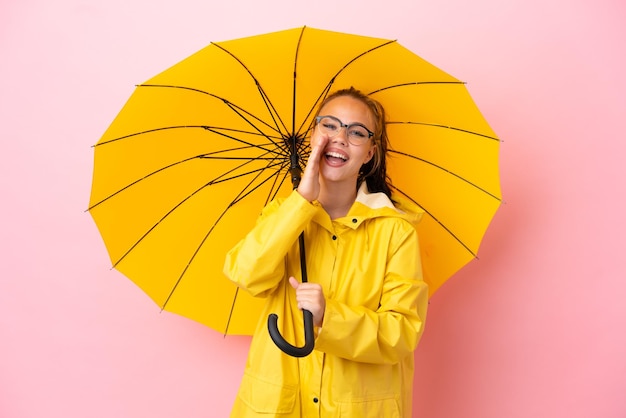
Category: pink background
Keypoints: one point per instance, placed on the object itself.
(535, 328)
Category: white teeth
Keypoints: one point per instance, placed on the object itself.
(336, 155)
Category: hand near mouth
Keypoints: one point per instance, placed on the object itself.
(309, 186)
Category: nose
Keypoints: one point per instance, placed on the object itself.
(341, 136)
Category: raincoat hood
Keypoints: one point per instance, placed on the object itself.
(379, 202)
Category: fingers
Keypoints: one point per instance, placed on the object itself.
(310, 297)
(317, 150)
(308, 291)
(294, 283)
(309, 185)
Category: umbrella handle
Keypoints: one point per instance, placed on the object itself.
(272, 320)
(309, 336)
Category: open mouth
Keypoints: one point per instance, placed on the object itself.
(335, 156)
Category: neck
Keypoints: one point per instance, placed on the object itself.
(337, 199)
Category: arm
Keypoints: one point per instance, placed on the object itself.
(256, 263)
(391, 332)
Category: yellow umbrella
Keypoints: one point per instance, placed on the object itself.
(197, 151)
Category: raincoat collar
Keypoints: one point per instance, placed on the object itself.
(371, 205)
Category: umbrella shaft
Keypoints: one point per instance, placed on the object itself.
(294, 168)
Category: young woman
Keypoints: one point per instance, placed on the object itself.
(365, 287)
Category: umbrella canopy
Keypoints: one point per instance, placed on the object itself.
(185, 168)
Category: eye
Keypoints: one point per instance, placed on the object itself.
(329, 124)
(358, 132)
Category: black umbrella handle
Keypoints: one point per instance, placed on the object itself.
(309, 336)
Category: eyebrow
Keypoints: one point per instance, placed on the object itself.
(349, 124)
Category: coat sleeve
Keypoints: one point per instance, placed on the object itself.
(391, 332)
(256, 263)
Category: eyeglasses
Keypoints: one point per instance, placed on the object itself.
(356, 132)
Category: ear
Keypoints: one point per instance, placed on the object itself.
(370, 154)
